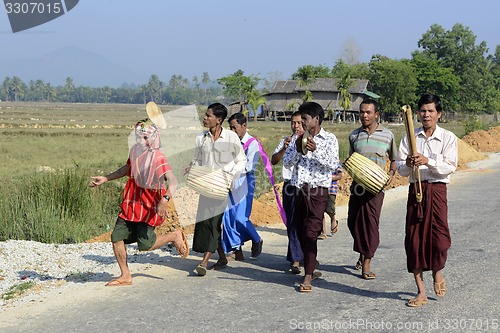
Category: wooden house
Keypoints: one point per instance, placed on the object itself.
(286, 95)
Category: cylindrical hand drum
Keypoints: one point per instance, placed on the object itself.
(366, 172)
(214, 184)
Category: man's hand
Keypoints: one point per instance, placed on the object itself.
(416, 160)
(286, 143)
(162, 209)
(186, 169)
(311, 145)
(391, 178)
(97, 181)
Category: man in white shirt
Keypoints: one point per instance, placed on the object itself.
(216, 148)
(427, 238)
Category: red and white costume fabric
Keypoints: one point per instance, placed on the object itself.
(146, 183)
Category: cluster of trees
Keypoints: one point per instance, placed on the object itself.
(447, 63)
(179, 90)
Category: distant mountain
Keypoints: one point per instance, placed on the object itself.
(85, 67)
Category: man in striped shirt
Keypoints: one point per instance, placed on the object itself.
(377, 143)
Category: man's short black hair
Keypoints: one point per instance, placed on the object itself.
(367, 100)
(240, 118)
(219, 110)
(430, 98)
(313, 109)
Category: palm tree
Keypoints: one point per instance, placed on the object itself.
(155, 88)
(5, 88)
(205, 79)
(305, 76)
(343, 85)
(255, 99)
(17, 87)
(69, 89)
(50, 91)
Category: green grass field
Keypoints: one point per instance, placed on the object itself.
(76, 141)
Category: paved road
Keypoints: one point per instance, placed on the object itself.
(261, 295)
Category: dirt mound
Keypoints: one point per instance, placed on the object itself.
(467, 153)
(484, 141)
(265, 210)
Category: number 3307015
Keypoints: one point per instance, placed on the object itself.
(32, 8)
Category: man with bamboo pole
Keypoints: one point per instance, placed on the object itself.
(427, 238)
(377, 143)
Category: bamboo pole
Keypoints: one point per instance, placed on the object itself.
(412, 145)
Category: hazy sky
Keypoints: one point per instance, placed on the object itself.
(186, 37)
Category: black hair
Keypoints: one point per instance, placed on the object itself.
(239, 117)
(313, 109)
(367, 100)
(430, 98)
(219, 110)
(296, 113)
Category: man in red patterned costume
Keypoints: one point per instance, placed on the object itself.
(145, 201)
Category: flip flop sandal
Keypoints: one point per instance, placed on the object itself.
(117, 283)
(416, 302)
(336, 227)
(201, 270)
(322, 236)
(183, 251)
(359, 263)
(305, 288)
(440, 288)
(316, 275)
(217, 266)
(368, 275)
(295, 269)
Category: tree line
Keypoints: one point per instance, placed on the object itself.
(447, 62)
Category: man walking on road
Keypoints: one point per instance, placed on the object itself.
(375, 142)
(427, 238)
(216, 148)
(294, 253)
(312, 170)
(237, 227)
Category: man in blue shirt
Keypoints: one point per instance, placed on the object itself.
(237, 227)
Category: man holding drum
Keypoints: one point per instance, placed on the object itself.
(216, 148)
(313, 156)
(376, 143)
(427, 237)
